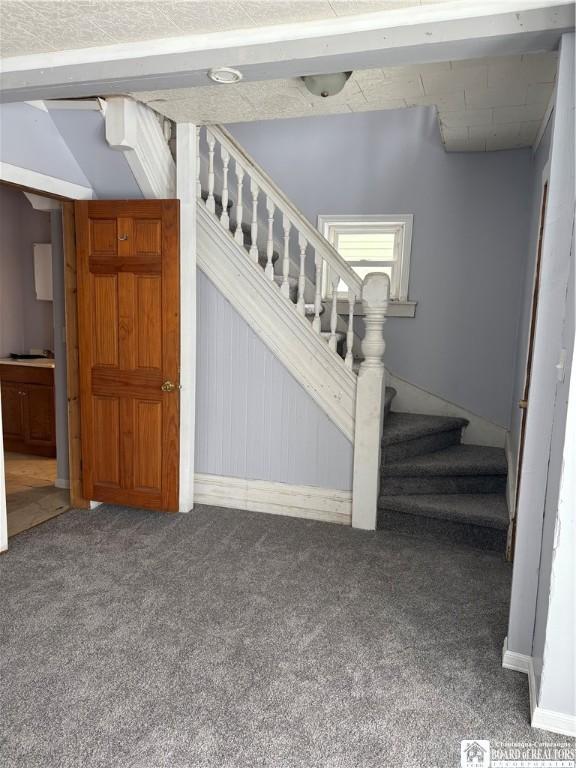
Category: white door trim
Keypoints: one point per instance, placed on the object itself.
(186, 192)
(24, 177)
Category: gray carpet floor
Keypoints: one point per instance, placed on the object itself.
(131, 639)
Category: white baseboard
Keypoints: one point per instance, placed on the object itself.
(61, 483)
(518, 662)
(545, 719)
(413, 399)
(556, 722)
(326, 504)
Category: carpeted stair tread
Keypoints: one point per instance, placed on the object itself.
(484, 509)
(457, 460)
(399, 427)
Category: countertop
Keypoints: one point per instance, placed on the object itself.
(40, 362)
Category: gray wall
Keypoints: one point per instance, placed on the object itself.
(533, 561)
(29, 139)
(471, 221)
(253, 419)
(25, 322)
(555, 468)
(106, 169)
(554, 639)
(67, 144)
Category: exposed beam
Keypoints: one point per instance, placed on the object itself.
(453, 30)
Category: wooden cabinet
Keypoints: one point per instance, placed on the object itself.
(28, 418)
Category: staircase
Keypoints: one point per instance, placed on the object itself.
(432, 484)
(285, 279)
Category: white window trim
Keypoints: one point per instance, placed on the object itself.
(326, 225)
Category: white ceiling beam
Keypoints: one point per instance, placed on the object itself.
(134, 129)
(447, 31)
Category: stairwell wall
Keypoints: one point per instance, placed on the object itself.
(253, 419)
(471, 221)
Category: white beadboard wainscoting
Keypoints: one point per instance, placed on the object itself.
(253, 419)
(327, 505)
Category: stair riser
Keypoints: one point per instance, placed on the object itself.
(427, 444)
(399, 486)
(475, 536)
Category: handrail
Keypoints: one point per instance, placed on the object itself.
(297, 218)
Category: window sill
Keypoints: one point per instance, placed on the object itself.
(395, 308)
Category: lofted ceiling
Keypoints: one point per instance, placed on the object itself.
(36, 26)
(483, 104)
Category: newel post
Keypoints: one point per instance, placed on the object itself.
(370, 403)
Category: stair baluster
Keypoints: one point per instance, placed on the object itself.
(349, 360)
(269, 271)
(211, 202)
(301, 303)
(286, 224)
(328, 263)
(332, 341)
(238, 234)
(316, 325)
(224, 218)
(254, 226)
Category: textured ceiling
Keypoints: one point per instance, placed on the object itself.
(35, 26)
(483, 104)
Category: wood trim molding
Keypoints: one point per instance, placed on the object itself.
(23, 177)
(133, 128)
(325, 504)
(72, 378)
(546, 719)
(273, 317)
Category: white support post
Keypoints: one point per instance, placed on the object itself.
(370, 403)
(186, 186)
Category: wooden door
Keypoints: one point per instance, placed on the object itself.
(129, 350)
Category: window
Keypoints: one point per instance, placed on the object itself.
(372, 244)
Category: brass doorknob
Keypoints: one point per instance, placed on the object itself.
(168, 386)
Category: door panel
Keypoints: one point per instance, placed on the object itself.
(12, 410)
(128, 323)
(39, 414)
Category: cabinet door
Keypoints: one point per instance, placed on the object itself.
(39, 414)
(12, 410)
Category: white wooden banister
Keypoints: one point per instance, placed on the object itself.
(279, 224)
(261, 290)
(370, 393)
(329, 254)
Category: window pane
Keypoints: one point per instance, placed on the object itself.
(369, 246)
(362, 272)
